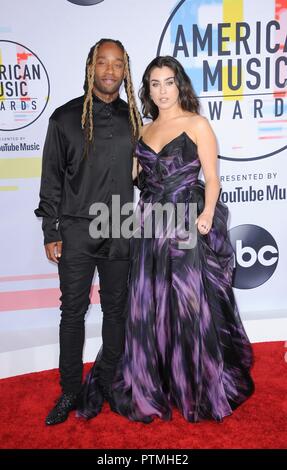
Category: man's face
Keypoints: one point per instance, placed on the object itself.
(109, 69)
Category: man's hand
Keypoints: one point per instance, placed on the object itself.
(54, 251)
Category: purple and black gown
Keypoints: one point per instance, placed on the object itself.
(185, 344)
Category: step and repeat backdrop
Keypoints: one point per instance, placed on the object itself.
(235, 52)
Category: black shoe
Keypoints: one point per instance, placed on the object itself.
(66, 403)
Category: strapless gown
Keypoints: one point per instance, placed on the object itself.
(185, 344)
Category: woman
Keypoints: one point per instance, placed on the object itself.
(185, 344)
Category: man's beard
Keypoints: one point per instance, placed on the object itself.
(107, 90)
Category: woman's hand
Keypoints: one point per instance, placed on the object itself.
(204, 223)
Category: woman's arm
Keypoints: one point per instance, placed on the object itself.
(207, 153)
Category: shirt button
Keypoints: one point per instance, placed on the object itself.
(110, 136)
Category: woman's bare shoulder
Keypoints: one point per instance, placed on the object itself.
(197, 120)
(198, 127)
(198, 124)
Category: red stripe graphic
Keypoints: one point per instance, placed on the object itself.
(37, 298)
(28, 277)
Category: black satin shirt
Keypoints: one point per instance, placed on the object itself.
(71, 182)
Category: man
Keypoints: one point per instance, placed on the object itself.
(88, 159)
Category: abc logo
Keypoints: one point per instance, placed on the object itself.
(85, 3)
(256, 255)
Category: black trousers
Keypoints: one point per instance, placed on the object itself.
(76, 271)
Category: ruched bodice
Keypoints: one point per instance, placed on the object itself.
(170, 172)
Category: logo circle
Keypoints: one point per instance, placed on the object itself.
(24, 86)
(256, 254)
(85, 3)
(236, 59)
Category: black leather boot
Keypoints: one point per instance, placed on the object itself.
(66, 403)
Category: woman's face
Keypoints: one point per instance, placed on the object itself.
(163, 89)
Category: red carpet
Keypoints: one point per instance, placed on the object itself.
(259, 423)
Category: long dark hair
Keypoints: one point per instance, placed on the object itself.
(187, 98)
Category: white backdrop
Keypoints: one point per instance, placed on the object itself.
(46, 42)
